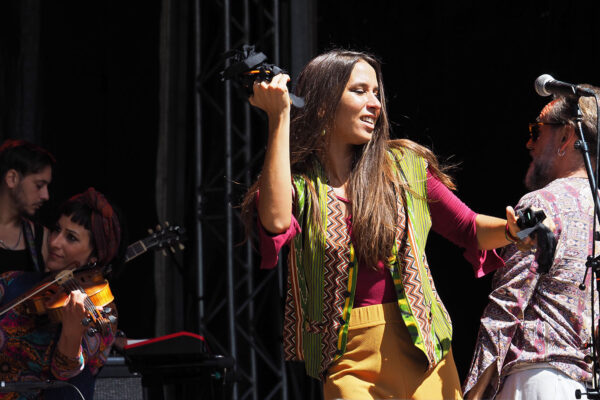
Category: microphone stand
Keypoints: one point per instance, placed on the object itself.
(593, 262)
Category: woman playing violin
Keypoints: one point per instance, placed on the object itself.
(32, 347)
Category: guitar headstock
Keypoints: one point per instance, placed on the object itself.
(165, 237)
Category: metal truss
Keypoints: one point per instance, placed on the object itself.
(239, 307)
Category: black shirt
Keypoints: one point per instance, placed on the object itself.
(22, 260)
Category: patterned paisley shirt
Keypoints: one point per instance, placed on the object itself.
(27, 347)
(541, 318)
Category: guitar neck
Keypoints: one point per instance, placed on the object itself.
(159, 239)
(134, 250)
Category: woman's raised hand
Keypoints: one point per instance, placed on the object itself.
(275, 184)
(272, 97)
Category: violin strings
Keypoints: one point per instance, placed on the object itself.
(72, 285)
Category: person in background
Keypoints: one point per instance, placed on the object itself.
(25, 173)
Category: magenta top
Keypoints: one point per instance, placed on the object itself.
(450, 217)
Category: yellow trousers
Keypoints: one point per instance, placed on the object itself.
(382, 363)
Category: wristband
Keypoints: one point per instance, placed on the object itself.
(509, 236)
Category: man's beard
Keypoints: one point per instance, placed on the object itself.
(539, 173)
(18, 197)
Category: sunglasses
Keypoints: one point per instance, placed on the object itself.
(534, 128)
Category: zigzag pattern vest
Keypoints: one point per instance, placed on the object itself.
(322, 274)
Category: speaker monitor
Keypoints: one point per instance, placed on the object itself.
(115, 382)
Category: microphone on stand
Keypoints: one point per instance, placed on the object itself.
(545, 85)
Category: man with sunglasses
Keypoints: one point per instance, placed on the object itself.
(535, 334)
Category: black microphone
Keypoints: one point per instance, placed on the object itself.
(545, 85)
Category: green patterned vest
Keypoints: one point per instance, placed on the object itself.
(323, 270)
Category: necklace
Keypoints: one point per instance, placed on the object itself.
(3, 243)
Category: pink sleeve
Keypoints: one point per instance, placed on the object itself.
(270, 245)
(455, 221)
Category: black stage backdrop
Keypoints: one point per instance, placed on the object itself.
(100, 118)
(459, 79)
(97, 112)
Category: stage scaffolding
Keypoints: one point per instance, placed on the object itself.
(239, 307)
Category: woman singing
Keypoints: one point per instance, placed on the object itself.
(355, 208)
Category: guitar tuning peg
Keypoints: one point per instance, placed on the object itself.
(172, 249)
(112, 319)
(150, 231)
(164, 252)
(158, 228)
(106, 310)
(181, 246)
(167, 224)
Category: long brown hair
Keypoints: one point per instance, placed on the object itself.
(373, 185)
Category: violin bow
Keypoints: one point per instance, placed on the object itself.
(163, 237)
(60, 277)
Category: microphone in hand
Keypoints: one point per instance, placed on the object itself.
(248, 66)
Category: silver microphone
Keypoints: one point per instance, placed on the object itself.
(546, 85)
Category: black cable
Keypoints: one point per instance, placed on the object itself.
(20, 387)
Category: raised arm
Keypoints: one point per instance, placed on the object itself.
(275, 184)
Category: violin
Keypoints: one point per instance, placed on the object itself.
(89, 280)
(50, 294)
